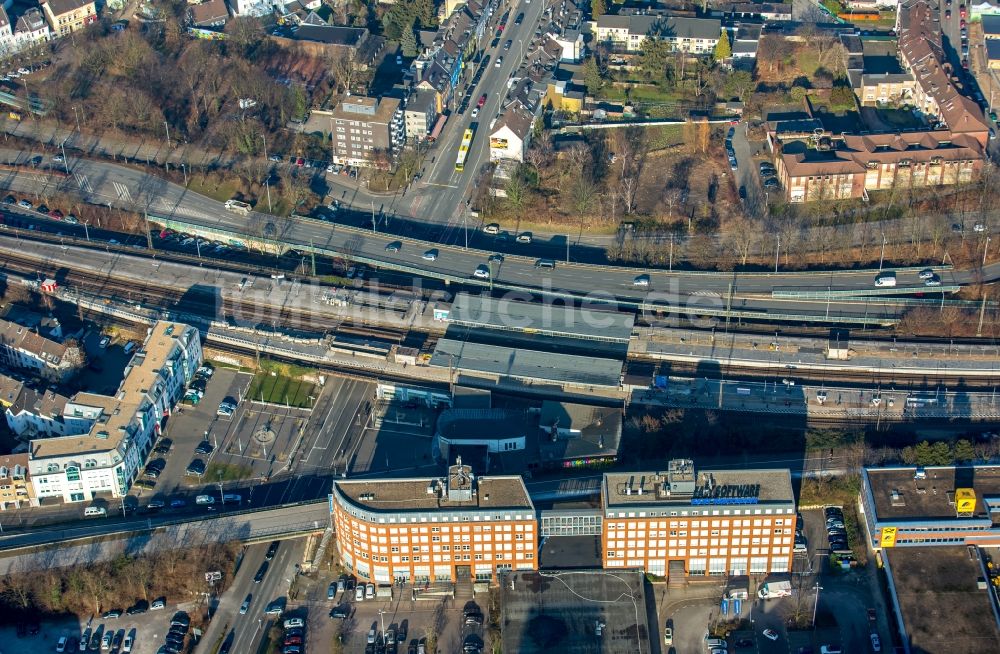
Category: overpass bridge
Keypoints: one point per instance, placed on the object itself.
(104, 538)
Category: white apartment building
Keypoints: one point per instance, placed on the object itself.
(22, 348)
(106, 459)
(627, 33)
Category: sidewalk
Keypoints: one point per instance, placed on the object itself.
(118, 147)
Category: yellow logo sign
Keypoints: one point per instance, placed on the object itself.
(888, 536)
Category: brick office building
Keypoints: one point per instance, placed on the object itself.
(712, 522)
(419, 530)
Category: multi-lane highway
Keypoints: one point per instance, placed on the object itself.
(244, 631)
(683, 292)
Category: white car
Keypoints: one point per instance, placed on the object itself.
(475, 112)
(876, 643)
(61, 645)
(157, 605)
(430, 255)
(104, 342)
(499, 62)
(23, 71)
(129, 642)
(926, 273)
(482, 272)
(359, 593)
(979, 227)
(770, 634)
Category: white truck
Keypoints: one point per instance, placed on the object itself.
(773, 589)
(236, 206)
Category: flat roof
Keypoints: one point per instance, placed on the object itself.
(932, 497)
(542, 317)
(480, 423)
(767, 486)
(942, 608)
(412, 495)
(527, 364)
(551, 611)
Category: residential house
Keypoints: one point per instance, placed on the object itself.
(419, 115)
(255, 8)
(209, 14)
(746, 38)
(885, 88)
(31, 28)
(67, 16)
(570, 43)
(107, 459)
(22, 348)
(35, 414)
(627, 32)
(15, 483)
(983, 8)
(991, 27)
(20, 32)
(361, 127)
(741, 11)
(511, 134)
(993, 54)
(850, 165)
(565, 96)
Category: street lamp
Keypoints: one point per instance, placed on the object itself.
(986, 249)
(777, 249)
(816, 588)
(881, 257)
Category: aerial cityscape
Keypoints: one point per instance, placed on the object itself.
(499, 326)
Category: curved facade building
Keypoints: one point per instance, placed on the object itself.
(431, 529)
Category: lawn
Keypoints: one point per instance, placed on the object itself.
(281, 389)
(226, 472)
(206, 186)
(902, 118)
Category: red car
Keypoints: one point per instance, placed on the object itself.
(56, 214)
(482, 101)
(300, 162)
(961, 23)
(961, 10)
(293, 640)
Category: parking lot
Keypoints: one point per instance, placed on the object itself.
(190, 426)
(150, 629)
(413, 621)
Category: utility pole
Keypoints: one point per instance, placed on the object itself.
(149, 236)
(777, 249)
(982, 312)
(986, 248)
(816, 588)
(881, 257)
(167, 127)
(62, 146)
(373, 217)
(671, 268)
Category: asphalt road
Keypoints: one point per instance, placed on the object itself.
(247, 630)
(687, 293)
(441, 196)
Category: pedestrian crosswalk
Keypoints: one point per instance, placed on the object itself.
(122, 192)
(83, 183)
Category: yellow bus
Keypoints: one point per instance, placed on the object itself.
(463, 150)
